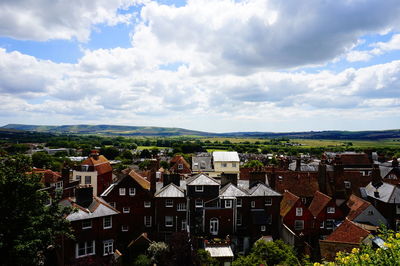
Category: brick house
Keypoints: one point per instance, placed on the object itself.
(95, 227)
(179, 165)
(364, 212)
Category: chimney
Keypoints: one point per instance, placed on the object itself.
(376, 176)
(171, 178)
(256, 177)
(376, 194)
(94, 154)
(298, 164)
(65, 174)
(228, 178)
(322, 176)
(153, 167)
(84, 196)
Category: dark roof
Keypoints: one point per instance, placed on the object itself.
(301, 184)
(318, 203)
(348, 232)
(287, 203)
(354, 159)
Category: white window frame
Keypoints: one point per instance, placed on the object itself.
(126, 210)
(86, 249)
(198, 188)
(214, 226)
(330, 224)
(304, 200)
(108, 247)
(299, 211)
(239, 203)
(239, 219)
(169, 203)
(181, 207)
(298, 224)
(169, 221)
(124, 228)
(322, 225)
(183, 225)
(228, 204)
(147, 204)
(147, 221)
(330, 210)
(86, 226)
(198, 203)
(59, 185)
(122, 191)
(347, 184)
(268, 201)
(132, 191)
(180, 166)
(263, 228)
(105, 221)
(253, 204)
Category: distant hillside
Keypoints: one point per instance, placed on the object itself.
(167, 131)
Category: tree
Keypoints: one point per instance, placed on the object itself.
(42, 160)
(28, 227)
(109, 152)
(253, 164)
(142, 260)
(158, 252)
(164, 165)
(205, 258)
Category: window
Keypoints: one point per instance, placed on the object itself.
(132, 191)
(253, 204)
(107, 222)
(78, 178)
(263, 228)
(330, 210)
(126, 210)
(239, 203)
(181, 207)
(202, 165)
(233, 164)
(398, 209)
(198, 188)
(108, 247)
(347, 184)
(59, 185)
(322, 225)
(304, 200)
(124, 228)
(84, 249)
(330, 223)
(298, 225)
(169, 203)
(86, 224)
(147, 204)
(268, 201)
(169, 221)
(370, 212)
(228, 204)
(299, 211)
(122, 191)
(239, 219)
(224, 164)
(88, 179)
(48, 201)
(214, 225)
(112, 204)
(183, 225)
(198, 203)
(147, 221)
(180, 166)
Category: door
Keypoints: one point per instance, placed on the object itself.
(214, 226)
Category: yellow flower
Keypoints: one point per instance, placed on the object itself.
(397, 235)
(317, 264)
(354, 250)
(388, 245)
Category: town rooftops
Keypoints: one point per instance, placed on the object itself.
(348, 232)
(261, 189)
(386, 192)
(357, 206)
(318, 203)
(201, 180)
(140, 180)
(287, 203)
(302, 184)
(231, 191)
(100, 163)
(225, 156)
(310, 167)
(97, 208)
(170, 191)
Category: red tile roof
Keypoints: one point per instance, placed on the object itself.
(357, 206)
(301, 184)
(100, 163)
(319, 203)
(348, 232)
(140, 180)
(355, 159)
(176, 160)
(287, 203)
(47, 176)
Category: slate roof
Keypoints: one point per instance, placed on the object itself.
(357, 206)
(231, 191)
(201, 180)
(311, 167)
(98, 208)
(170, 191)
(287, 203)
(220, 252)
(385, 170)
(348, 232)
(318, 203)
(387, 192)
(261, 189)
(226, 156)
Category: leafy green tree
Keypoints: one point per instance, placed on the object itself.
(205, 258)
(164, 164)
(144, 165)
(28, 227)
(142, 260)
(42, 160)
(145, 154)
(109, 152)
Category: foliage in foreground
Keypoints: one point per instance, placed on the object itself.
(29, 228)
(268, 253)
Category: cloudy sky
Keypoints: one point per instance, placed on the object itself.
(257, 65)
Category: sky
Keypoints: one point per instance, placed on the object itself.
(217, 66)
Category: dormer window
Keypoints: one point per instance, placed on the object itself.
(299, 211)
(180, 166)
(198, 188)
(330, 210)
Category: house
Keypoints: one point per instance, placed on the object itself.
(95, 171)
(179, 165)
(202, 163)
(131, 195)
(295, 215)
(326, 213)
(347, 236)
(225, 162)
(364, 212)
(95, 228)
(386, 199)
(221, 252)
